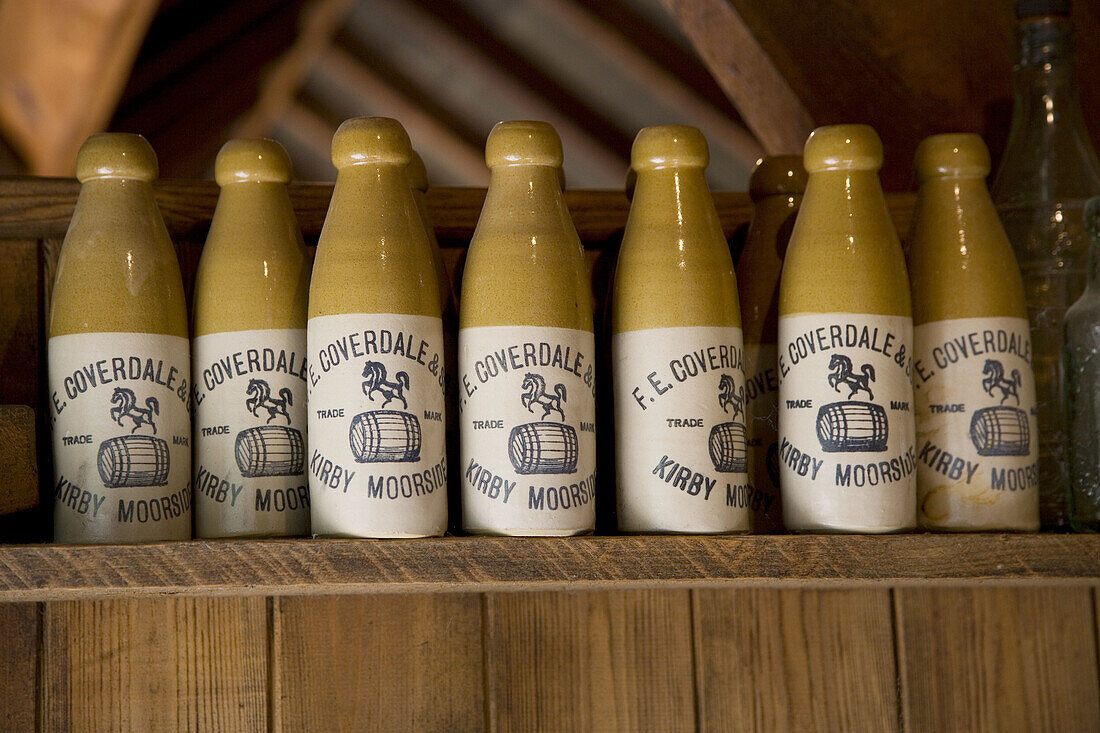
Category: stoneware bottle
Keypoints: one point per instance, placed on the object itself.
(119, 358)
(526, 363)
(776, 187)
(977, 440)
(680, 438)
(375, 343)
(249, 353)
(846, 434)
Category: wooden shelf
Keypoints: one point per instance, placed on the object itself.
(463, 564)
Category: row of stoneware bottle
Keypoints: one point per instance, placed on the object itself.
(320, 401)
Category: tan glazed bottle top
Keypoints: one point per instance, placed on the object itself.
(674, 268)
(373, 255)
(254, 270)
(118, 270)
(844, 255)
(961, 263)
(775, 187)
(526, 264)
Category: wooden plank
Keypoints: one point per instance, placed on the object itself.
(19, 323)
(18, 459)
(992, 659)
(795, 660)
(467, 564)
(745, 72)
(18, 665)
(155, 664)
(618, 660)
(63, 65)
(38, 208)
(378, 662)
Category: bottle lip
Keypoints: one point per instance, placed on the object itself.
(843, 147)
(116, 155)
(669, 146)
(952, 155)
(258, 160)
(523, 142)
(777, 175)
(370, 140)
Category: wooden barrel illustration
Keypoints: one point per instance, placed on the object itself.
(1000, 431)
(133, 460)
(385, 436)
(852, 427)
(543, 447)
(728, 448)
(270, 450)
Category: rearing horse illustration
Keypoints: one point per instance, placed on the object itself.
(374, 380)
(728, 397)
(841, 373)
(259, 392)
(994, 373)
(534, 393)
(125, 405)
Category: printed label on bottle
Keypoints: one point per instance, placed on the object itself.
(250, 433)
(376, 458)
(846, 434)
(762, 406)
(528, 428)
(681, 433)
(121, 413)
(977, 447)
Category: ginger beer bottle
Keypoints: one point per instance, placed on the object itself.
(119, 358)
(375, 344)
(846, 432)
(249, 353)
(681, 454)
(977, 443)
(526, 364)
(776, 189)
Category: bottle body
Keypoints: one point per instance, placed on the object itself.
(681, 437)
(847, 459)
(249, 349)
(118, 360)
(1048, 171)
(375, 350)
(1082, 342)
(526, 351)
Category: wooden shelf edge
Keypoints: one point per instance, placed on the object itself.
(297, 567)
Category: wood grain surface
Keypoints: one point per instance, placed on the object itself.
(155, 664)
(297, 567)
(18, 459)
(20, 322)
(618, 660)
(378, 662)
(38, 208)
(19, 634)
(996, 659)
(795, 660)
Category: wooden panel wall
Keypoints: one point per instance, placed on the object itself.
(912, 659)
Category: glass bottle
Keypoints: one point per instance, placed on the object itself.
(1048, 171)
(974, 388)
(375, 342)
(249, 353)
(846, 429)
(119, 358)
(1082, 334)
(526, 350)
(680, 415)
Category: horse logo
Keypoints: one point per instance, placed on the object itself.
(994, 373)
(374, 380)
(534, 393)
(728, 397)
(841, 373)
(125, 405)
(259, 397)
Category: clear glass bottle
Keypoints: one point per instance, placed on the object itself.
(1048, 171)
(1082, 334)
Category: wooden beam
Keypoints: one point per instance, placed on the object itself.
(63, 66)
(472, 564)
(745, 72)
